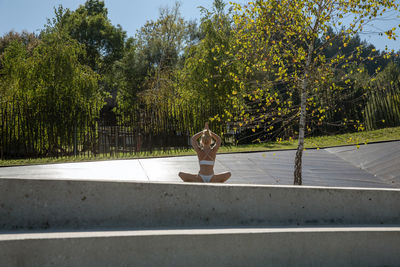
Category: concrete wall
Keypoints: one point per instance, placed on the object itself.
(298, 247)
(43, 204)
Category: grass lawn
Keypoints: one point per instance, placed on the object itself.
(358, 138)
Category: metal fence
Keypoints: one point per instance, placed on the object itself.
(27, 133)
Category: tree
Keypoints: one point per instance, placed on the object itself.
(163, 40)
(51, 92)
(204, 83)
(283, 45)
(30, 41)
(103, 42)
(89, 25)
(147, 69)
(130, 73)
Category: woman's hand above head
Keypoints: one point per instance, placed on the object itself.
(206, 126)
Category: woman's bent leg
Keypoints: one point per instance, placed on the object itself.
(221, 177)
(188, 177)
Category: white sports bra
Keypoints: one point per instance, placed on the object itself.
(207, 162)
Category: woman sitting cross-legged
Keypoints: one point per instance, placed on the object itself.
(206, 154)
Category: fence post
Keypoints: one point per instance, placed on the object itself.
(75, 140)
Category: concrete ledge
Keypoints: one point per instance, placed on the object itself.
(343, 246)
(66, 204)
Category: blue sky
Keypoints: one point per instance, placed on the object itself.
(31, 15)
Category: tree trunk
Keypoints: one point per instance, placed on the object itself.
(298, 180)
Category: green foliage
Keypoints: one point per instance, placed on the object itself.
(283, 45)
(382, 107)
(129, 76)
(204, 83)
(90, 26)
(290, 49)
(29, 39)
(49, 92)
(163, 40)
(146, 75)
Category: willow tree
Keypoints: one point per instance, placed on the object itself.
(283, 45)
(48, 93)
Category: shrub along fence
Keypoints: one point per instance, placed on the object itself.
(26, 132)
(382, 108)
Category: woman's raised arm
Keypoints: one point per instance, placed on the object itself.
(217, 140)
(194, 142)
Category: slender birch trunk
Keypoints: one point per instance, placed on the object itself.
(298, 180)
